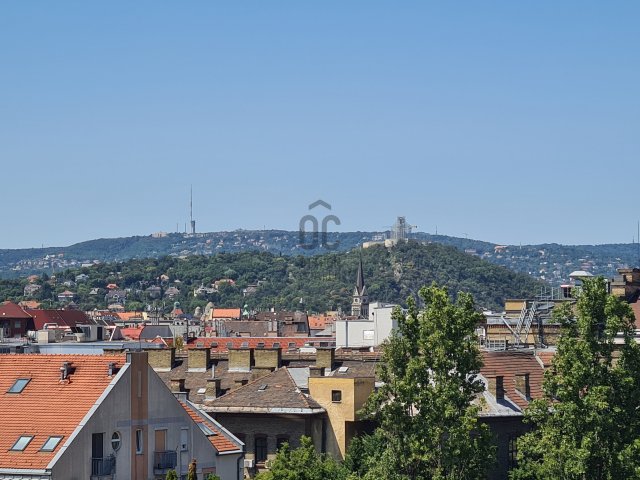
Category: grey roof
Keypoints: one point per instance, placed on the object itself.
(149, 332)
(276, 392)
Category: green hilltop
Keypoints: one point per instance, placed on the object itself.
(323, 282)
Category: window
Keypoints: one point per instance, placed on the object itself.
(513, 451)
(184, 439)
(336, 395)
(281, 440)
(139, 442)
(206, 430)
(51, 444)
(261, 449)
(19, 385)
(116, 441)
(229, 344)
(276, 344)
(17, 324)
(22, 443)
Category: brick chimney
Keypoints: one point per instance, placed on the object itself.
(315, 371)
(266, 360)
(522, 384)
(495, 386)
(239, 382)
(325, 357)
(240, 359)
(198, 359)
(212, 390)
(162, 359)
(177, 385)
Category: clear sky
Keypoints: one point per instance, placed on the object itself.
(512, 122)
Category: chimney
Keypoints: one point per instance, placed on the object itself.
(177, 385)
(65, 370)
(162, 359)
(240, 359)
(325, 357)
(212, 390)
(522, 384)
(315, 371)
(495, 386)
(198, 359)
(239, 382)
(268, 358)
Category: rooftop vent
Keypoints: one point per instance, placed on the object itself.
(65, 371)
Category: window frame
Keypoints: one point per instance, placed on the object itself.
(14, 389)
(116, 437)
(21, 437)
(139, 441)
(336, 396)
(53, 438)
(262, 448)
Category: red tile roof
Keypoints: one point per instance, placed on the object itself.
(226, 313)
(545, 357)
(220, 440)
(132, 333)
(47, 406)
(11, 310)
(508, 364)
(63, 318)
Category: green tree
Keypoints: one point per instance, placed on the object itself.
(171, 475)
(429, 427)
(212, 476)
(587, 426)
(303, 463)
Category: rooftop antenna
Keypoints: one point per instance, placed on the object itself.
(638, 237)
(193, 222)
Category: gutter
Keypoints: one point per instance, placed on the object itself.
(274, 410)
(25, 471)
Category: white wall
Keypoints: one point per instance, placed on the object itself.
(369, 332)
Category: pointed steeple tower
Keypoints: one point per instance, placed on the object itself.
(360, 299)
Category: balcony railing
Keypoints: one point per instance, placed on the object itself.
(165, 460)
(105, 466)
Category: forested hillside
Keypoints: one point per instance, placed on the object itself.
(323, 282)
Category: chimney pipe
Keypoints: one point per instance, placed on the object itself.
(64, 371)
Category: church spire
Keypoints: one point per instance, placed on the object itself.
(360, 300)
(360, 278)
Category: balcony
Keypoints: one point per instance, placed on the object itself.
(103, 468)
(164, 461)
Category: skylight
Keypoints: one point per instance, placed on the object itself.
(22, 443)
(206, 430)
(51, 444)
(343, 369)
(19, 385)
(262, 388)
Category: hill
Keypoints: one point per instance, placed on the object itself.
(324, 282)
(549, 262)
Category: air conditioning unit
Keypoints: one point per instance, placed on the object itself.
(248, 463)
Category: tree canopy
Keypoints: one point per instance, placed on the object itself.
(587, 426)
(428, 425)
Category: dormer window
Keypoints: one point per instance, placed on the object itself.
(18, 385)
(22, 443)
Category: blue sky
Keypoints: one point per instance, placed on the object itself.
(512, 122)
